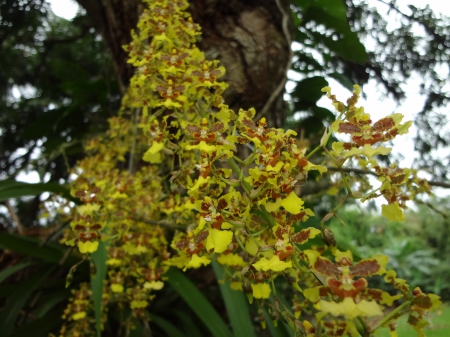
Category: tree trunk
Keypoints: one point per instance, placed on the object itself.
(250, 38)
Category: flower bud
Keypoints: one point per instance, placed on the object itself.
(328, 237)
(92, 268)
(69, 277)
(248, 290)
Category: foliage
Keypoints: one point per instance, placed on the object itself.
(174, 118)
(52, 95)
(173, 160)
(415, 247)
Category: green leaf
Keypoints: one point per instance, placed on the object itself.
(19, 298)
(199, 304)
(138, 330)
(48, 252)
(236, 304)
(40, 327)
(4, 274)
(16, 189)
(275, 331)
(309, 89)
(344, 80)
(189, 325)
(99, 257)
(49, 301)
(166, 326)
(332, 14)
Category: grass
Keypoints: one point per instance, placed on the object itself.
(439, 325)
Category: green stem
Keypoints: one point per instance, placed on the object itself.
(360, 327)
(392, 314)
(240, 174)
(317, 148)
(364, 325)
(240, 243)
(347, 187)
(327, 138)
(260, 192)
(267, 216)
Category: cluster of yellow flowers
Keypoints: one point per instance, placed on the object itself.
(171, 161)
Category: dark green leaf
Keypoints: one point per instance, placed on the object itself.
(189, 324)
(275, 331)
(309, 89)
(49, 301)
(166, 326)
(16, 189)
(344, 80)
(4, 274)
(197, 301)
(49, 252)
(40, 327)
(99, 257)
(237, 306)
(19, 298)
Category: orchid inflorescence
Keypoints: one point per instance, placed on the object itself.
(173, 161)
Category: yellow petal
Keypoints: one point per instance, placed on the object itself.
(312, 294)
(350, 309)
(273, 264)
(88, 209)
(138, 304)
(203, 147)
(196, 261)
(273, 206)
(155, 285)
(156, 147)
(368, 151)
(79, 315)
(277, 167)
(224, 115)
(292, 203)
(152, 155)
(340, 255)
(393, 212)
(236, 285)
(87, 247)
(117, 288)
(231, 260)
(218, 240)
(200, 182)
(261, 290)
(113, 262)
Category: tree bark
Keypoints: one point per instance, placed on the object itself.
(248, 37)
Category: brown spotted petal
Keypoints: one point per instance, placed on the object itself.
(349, 128)
(326, 267)
(371, 266)
(303, 236)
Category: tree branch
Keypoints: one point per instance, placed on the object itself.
(359, 171)
(14, 217)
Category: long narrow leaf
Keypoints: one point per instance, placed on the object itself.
(19, 298)
(33, 247)
(40, 327)
(99, 257)
(166, 326)
(4, 274)
(188, 323)
(16, 189)
(197, 301)
(275, 331)
(237, 306)
(47, 303)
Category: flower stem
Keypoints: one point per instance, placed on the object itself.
(392, 314)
